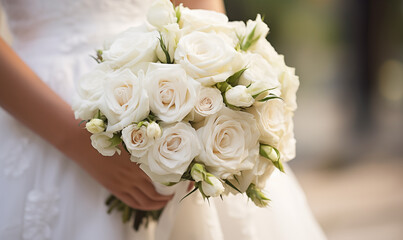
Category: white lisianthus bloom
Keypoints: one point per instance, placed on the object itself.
(261, 172)
(261, 180)
(154, 130)
(90, 89)
(210, 101)
(133, 46)
(271, 119)
(198, 172)
(258, 175)
(230, 143)
(261, 28)
(254, 31)
(172, 93)
(289, 86)
(95, 126)
(207, 57)
(171, 154)
(161, 13)
(214, 189)
(102, 143)
(136, 140)
(125, 100)
(170, 35)
(287, 143)
(259, 74)
(238, 96)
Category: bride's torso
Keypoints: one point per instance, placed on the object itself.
(56, 37)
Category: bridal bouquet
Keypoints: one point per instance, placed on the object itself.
(192, 96)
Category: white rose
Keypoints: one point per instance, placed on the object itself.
(286, 75)
(171, 154)
(102, 143)
(90, 90)
(161, 13)
(95, 125)
(154, 130)
(259, 74)
(207, 57)
(230, 143)
(136, 140)
(170, 35)
(203, 21)
(266, 50)
(214, 189)
(287, 142)
(172, 93)
(289, 86)
(210, 101)
(238, 96)
(271, 117)
(133, 46)
(125, 100)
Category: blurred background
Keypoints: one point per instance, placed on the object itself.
(349, 122)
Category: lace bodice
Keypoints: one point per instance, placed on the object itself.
(62, 25)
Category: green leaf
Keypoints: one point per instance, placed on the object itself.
(223, 86)
(270, 97)
(250, 40)
(236, 179)
(115, 140)
(141, 124)
(81, 122)
(187, 195)
(98, 58)
(115, 203)
(99, 55)
(178, 14)
(232, 185)
(110, 199)
(164, 49)
(234, 78)
(276, 162)
(279, 165)
(257, 94)
(127, 213)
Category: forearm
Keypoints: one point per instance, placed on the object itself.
(34, 104)
(215, 5)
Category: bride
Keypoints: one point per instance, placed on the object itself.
(53, 183)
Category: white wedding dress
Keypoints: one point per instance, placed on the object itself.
(44, 195)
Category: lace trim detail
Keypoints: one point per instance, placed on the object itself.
(14, 164)
(40, 210)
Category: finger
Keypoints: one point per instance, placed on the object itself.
(129, 200)
(149, 190)
(145, 202)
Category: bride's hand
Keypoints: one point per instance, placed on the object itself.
(125, 180)
(35, 105)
